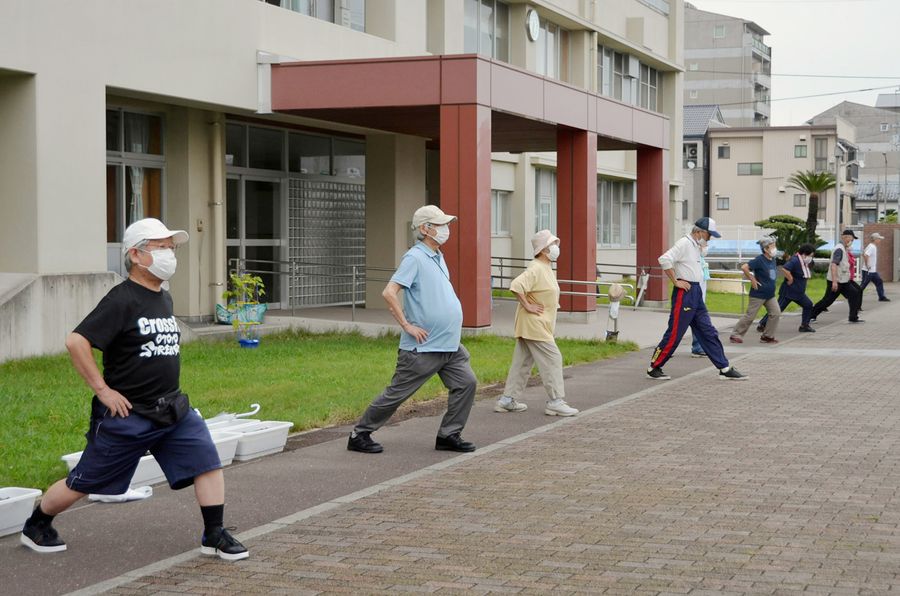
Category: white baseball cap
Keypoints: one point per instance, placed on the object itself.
(430, 214)
(150, 229)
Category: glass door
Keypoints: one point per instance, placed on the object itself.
(254, 224)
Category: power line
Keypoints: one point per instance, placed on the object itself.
(740, 103)
(812, 76)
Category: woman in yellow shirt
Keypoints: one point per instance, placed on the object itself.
(537, 291)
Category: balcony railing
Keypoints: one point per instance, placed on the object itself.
(761, 47)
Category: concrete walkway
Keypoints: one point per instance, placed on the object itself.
(785, 482)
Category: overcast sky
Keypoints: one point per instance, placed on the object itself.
(823, 37)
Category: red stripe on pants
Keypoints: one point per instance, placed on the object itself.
(673, 332)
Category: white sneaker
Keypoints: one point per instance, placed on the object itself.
(559, 407)
(509, 404)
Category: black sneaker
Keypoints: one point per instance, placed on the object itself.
(760, 328)
(884, 299)
(857, 321)
(657, 374)
(363, 443)
(731, 374)
(222, 544)
(806, 329)
(41, 538)
(453, 443)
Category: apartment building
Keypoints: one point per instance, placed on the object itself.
(297, 137)
(878, 139)
(727, 63)
(750, 167)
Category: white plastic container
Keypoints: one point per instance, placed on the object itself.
(231, 425)
(16, 505)
(264, 438)
(226, 443)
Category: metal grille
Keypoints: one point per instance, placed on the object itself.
(327, 237)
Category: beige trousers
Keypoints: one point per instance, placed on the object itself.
(755, 304)
(549, 363)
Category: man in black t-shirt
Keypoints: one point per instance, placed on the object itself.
(138, 405)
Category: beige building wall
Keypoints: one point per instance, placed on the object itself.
(756, 197)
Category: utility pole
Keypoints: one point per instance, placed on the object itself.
(883, 188)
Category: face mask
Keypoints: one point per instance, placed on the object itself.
(807, 259)
(552, 252)
(771, 250)
(702, 242)
(704, 250)
(441, 234)
(164, 263)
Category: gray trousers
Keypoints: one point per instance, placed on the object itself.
(549, 362)
(413, 370)
(753, 307)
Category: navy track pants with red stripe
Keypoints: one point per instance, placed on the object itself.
(689, 311)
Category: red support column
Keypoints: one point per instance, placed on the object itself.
(576, 215)
(652, 217)
(466, 193)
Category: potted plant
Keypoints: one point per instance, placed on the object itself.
(243, 309)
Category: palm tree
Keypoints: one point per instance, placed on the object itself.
(814, 184)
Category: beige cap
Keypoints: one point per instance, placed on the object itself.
(430, 214)
(876, 236)
(542, 240)
(150, 229)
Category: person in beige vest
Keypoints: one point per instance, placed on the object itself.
(841, 275)
(537, 291)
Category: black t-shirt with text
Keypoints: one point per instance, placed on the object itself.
(136, 330)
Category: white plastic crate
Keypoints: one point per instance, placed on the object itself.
(16, 505)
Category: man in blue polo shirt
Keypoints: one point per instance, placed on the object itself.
(430, 320)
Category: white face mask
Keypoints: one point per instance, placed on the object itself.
(807, 259)
(164, 263)
(704, 250)
(772, 250)
(553, 252)
(441, 234)
(702, 241)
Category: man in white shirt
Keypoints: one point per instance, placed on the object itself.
(870, 268)
(681, 264)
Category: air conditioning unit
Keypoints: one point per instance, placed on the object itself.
(692, 151)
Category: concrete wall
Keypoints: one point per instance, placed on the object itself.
(36, 316)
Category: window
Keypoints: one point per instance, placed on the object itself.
(553, 51)
(545, 200)
(885, 127)
(719, 31)
(486, 28)
(693, 94)
(800, 200)
(723, 203)
(799, 150)
(821, 149)
(266, 148)
(693, 66)
(604, 70)
(500, 215)
(724, 152)
(749, 169)
(649, 87)
(349, 13)
(135, 168)
(616, 213)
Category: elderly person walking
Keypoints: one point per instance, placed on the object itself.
(870, 268)
(537, 291)
(430, 320)
(681, 264)
(761, 271)
(841, 273)
(138, 405)
(793, 288)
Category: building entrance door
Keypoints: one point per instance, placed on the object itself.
(255, 225)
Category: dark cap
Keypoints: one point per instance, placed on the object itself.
(848, 232)
(708, 224)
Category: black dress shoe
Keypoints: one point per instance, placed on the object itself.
(857, 321)
(363, 443)
(453, 443)
(885, 299)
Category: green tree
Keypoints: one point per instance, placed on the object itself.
(814, 184)
(890, 216)
(789, 233)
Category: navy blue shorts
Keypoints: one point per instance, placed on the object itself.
(115, 445)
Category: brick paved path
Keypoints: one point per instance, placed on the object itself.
(786, 482)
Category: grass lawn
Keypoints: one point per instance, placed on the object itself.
(310, 380)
